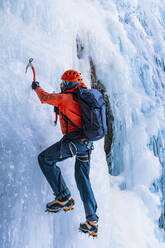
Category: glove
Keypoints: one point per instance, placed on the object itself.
(35, 85)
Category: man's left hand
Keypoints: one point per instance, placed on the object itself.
(35, 85)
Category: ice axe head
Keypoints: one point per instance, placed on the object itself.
(30, 60)
(32, 67)
(29, 64)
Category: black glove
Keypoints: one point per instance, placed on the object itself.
(35, 85)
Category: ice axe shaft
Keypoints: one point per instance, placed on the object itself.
(32, 67)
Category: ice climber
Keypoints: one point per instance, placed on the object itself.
(71, 144)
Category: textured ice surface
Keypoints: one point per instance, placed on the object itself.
(126, 42)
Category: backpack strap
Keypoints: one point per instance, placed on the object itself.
(67, 120)
(56, 111)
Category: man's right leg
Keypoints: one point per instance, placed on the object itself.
(47, 161)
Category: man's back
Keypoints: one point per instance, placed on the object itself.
(67, 106)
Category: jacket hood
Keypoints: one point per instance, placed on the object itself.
(71, 86)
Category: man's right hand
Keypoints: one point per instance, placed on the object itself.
(35, 85)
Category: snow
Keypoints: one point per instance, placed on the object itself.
(125, 39)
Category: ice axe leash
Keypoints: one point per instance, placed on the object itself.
(32, 67)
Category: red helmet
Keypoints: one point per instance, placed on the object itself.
(72, 76)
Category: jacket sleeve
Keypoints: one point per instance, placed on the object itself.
(54, 99)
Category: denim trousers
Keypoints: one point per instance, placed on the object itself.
(59, 152)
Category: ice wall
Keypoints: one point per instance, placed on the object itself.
(125, 40)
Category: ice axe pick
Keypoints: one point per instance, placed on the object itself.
(32, 67)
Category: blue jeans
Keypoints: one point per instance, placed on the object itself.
(59, 152)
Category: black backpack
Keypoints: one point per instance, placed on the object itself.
(94, 126)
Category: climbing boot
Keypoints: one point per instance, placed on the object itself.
(57, 205)
(90, 227)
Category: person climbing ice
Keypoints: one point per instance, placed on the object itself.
(72, 144)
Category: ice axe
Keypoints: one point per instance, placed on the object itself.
(32, 67)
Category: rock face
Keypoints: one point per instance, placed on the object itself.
(97, 84)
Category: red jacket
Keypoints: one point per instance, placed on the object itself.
(67, 106)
